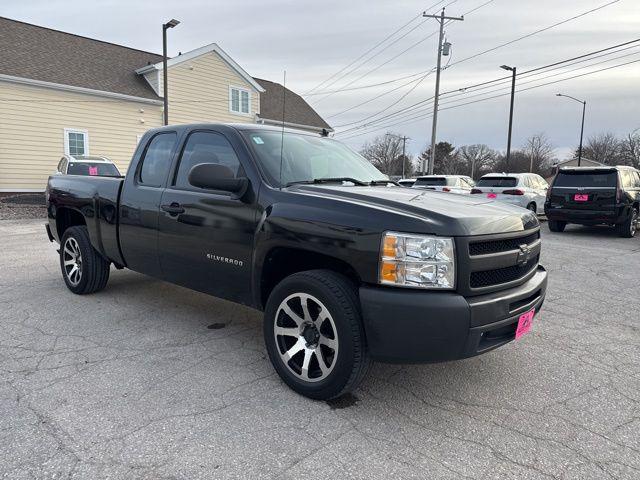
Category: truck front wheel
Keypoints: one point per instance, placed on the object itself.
(314, 335)
(84, 270)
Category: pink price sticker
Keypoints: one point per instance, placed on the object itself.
(524, 323)
(579, 197)
(492, 195)
(93, 170)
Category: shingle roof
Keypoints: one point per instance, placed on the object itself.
(297, 110)
(40, 53)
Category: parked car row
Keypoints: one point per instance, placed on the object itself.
(580, 195)
(526, 190)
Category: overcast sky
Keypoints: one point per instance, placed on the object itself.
(314, 40)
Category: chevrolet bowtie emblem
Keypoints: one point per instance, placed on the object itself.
(523, 255)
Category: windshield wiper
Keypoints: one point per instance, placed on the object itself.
(329, 180)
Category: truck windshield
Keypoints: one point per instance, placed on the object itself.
(497, 182)
(431, 182)
(586, 179)
(97, 169)
(306, 158)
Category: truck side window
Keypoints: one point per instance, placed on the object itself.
(206, 147)
(157, 159)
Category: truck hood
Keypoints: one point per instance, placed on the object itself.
(442, 213)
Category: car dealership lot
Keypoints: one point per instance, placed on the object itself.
(150, 380)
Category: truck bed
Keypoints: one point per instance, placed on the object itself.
(97, 199)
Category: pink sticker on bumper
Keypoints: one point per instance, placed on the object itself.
(524, 323)
(492, 195)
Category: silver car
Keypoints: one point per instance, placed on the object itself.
(526, 190)
(87, 165)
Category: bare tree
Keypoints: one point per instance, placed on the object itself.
(603, 148)
(539, 152)
(476, 159)
(630, 149)
(385, 153)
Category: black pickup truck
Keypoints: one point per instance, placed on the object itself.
(346, 265)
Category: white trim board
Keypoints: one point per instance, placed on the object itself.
(71, 88)
(212, 47)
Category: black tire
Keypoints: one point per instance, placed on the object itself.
(629, 228)
(557, 225)
(93, 268)
(350, 359)
(532, 207)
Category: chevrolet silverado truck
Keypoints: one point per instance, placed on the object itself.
(345, 265)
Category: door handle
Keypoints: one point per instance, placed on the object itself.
(173, 209)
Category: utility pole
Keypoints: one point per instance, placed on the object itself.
(404, 143)
(440, 18)
(584, 107)
(165, 94)
(513, 94)
(404, 157)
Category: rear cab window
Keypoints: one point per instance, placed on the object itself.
(588, 179)
(497, 182)
(156, 160)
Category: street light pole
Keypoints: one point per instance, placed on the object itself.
(513, 94)
(165, 26)
(584, 107)
(440, 18)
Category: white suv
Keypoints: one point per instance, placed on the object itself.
(526, 190)
(445, 183)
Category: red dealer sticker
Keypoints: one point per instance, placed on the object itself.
(579, 197)
(93, 170)
(492, 195)
(524, 323)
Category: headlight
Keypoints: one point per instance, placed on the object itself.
(417, 261)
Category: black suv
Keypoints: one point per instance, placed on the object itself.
(595, 196)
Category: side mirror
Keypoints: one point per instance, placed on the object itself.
(213, 176)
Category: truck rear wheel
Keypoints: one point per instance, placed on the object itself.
(314, 335)
(629, 228)
(557, 226)
(84, 270)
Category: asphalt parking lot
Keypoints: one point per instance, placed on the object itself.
(148, 380)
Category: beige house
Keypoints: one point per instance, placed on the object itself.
(62, 93)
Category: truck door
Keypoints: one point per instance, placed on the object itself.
(140, 203)
(206, 236)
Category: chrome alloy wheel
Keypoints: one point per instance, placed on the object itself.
(306, 337)
(72, 261)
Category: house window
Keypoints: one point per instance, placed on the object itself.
(76, 142)
(239, 100)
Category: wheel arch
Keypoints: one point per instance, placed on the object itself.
(280, 262)
(66, 218)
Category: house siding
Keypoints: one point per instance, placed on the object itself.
(32, 127)
(199, 91)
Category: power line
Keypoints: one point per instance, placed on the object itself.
(371, 50)
(428, 114)
(369, 72)
(535, 33)
(464, 90)
(549, 27)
